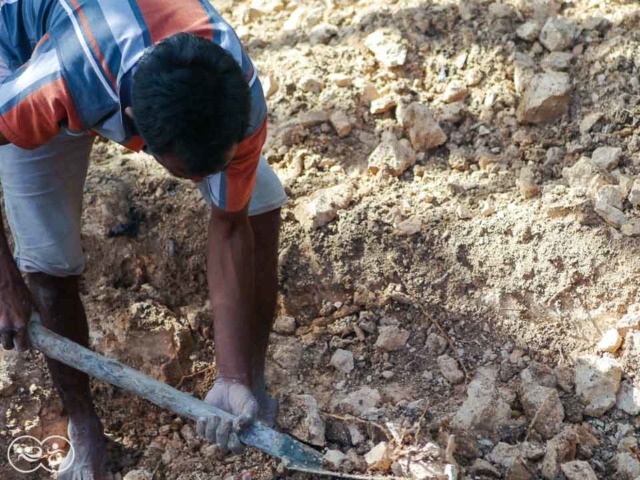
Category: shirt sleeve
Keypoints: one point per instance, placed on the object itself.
(35, 102)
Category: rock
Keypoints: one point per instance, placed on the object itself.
(566, 377)
(627, 466)
(291, 133)
(528, 31)
(393, 156)
(456, 91)
(357, 438)
(285, 325)
(589, 122)
(506, 455)
(287, 354)
(527, 183)
(610, 341)
(463, 213)
(484, 410)
(543, 404)
(341, 80)
(270, 85)
(610, 195)
(560, 449)
(424, 131)
(581, 174)
(409, 227)
(452, 112)
(322, 206)
(436, 345)
(7, 385)
(341, 124)
(523, 71)
(546, 98)
(311, 84)
(558, 34)
(557, 61)
(342, 360)
(300, 416)
(500, 10)
(322, 34)
(138, 475)
(383, 105)
(386, 44)
(631, 228)
(313, 118)
(484, 468)
(607, 158)
(378, 456)
(634, 194)
(578, 470)
(518, 471)
(628, 398)
(473, 77)
(631, 354)
(335, 458)
(539, 374)
(597, 382)
(630, 321)
(610, 214)
(392, 338)
(450, 370)
(360, 402)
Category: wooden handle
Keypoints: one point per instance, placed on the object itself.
(54, 346)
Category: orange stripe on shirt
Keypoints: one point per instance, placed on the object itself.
(241, 174)
(94, 44)
(163, 18)
(39, 116)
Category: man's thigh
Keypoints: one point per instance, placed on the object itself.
(268, 194)
(42, 191)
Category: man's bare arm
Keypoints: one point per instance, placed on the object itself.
(3, 140)
(231, 264)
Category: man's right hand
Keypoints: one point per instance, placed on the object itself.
(15, 310)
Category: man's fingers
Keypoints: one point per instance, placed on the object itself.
(211, 430)
(246, 418)
(236, 447)
(6, 338)
(21, 340)
(223, 433)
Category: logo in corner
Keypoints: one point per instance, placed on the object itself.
(27, 454)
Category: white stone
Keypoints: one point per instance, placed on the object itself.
(558, 34)
(546, 98)
(463, 213)
(589, 122)
(500, 10)
(456, 91)
(436, 345)
(634, 194)
(387, 46)
(341, 80)
(138, 475)
(322, 34)
(335, 458)
(528, 31)
(392, 338)
(597, 382)
(543, 404)
(630, 320)
(300, 415)
(607, 158)
(578, 470)
(269, 85)
(313, 118)
(581, 174)
(627, 466)
(610, 195)
(506, 455)
(631, 228)
(424, 131)
(610, 341)
(342, 360)
(449, 368)
(393, 156)
(557, 61)
(482, 467)
(322, 206)
(361, 401)
(612, 215)
(357, 438)
(523, 71)
(484, 410)
(377, 454)
(383, 104)
(628, 398)
(285, 325)
(341, 124)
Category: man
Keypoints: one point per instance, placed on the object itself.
(170, 78)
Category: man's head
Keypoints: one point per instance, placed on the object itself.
(191, 105)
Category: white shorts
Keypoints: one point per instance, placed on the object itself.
(43, 191)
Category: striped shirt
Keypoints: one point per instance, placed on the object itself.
(72, 61)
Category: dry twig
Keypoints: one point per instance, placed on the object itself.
(535, 417)
(351, 418)
(187, 377)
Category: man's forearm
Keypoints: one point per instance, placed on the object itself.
(230, 265)
(8, 269)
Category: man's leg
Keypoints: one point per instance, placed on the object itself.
(43, 196)
(266, 230)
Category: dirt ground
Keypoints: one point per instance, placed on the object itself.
(466, 291)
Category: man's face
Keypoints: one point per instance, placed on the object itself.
(176, 167)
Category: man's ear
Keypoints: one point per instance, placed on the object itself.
(129, 113)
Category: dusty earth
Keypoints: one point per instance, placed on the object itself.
(458, 269)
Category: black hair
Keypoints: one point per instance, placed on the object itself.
(191, 99)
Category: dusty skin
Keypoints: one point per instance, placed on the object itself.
(441, 254)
